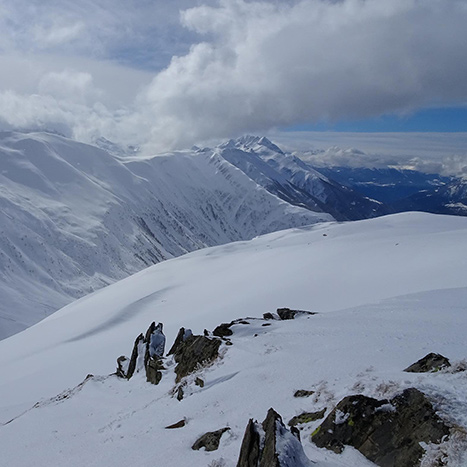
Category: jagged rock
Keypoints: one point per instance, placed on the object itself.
(306, 417)
(250, 449)
(182, 336)
(199, 382)
(303, 393)
(271, 445)
(287, 313)
(223, 330)
(194, 352)
(429, 363)
(210, 441)
(388, 433)
(153, 370)
(122, 366)
(179, 424)
(147, 353)
(268, 316)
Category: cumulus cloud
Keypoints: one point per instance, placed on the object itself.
(250, 65)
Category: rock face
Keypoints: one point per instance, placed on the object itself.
(429, 363)
(183, 335)
(271, 444)
(210, 441)
(287, 313)
(386, 432)
(194, 352)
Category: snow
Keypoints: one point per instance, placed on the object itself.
(74, 218)
(388, 291)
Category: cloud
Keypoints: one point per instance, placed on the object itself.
(229, 67)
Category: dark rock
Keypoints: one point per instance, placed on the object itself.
(206, 333)
(271, 445)
(122, 366)
(223, 330)
(306, 417)
(268, 316)
(250, 449)
(429, 363)
(182, 336)
(153, 370)
(228, 342)
(303, 393)
(266, 324)
(137, 349)
(287, 313)
(199, 382)
(210, 441)
(180, 393)
(195, 352)
(179, 424)
(155, 342)
(388, 433)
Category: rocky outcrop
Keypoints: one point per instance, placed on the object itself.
(210, 441)
(271, 444)
(429, 364)
(147, 355)
(287, 313)
(194, 352)
(387, 432)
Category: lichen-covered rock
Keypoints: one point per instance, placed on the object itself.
(271, 444)
(388, 433)
(429, 363)
(306, 417)
(287, 313)
(195, 352)
(183, 335)
(210, 441)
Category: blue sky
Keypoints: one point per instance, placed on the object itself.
(164, 75)
(442, 120)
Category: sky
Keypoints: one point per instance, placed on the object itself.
(165, 75)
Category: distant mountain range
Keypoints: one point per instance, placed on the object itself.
(76, 217)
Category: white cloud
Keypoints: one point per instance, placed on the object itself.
(251, 65)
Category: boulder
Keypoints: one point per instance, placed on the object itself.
(271, 444)
(306, 417)
(287, 313)
(179, 424)
(429, 364)
(387, 432)
(195, 351)
(223, 330)
(210, 441)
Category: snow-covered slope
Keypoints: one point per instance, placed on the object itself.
(389, 291)
(295, 181)
(74, 218)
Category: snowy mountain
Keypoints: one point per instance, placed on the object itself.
(387, 185)
(387, 291)
(450, 198)
(75, 218)
(295, 181)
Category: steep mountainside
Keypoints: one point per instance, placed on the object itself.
(387, 291)
(74, 218)
(295, 181)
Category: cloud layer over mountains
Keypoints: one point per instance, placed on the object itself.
(141, 73)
